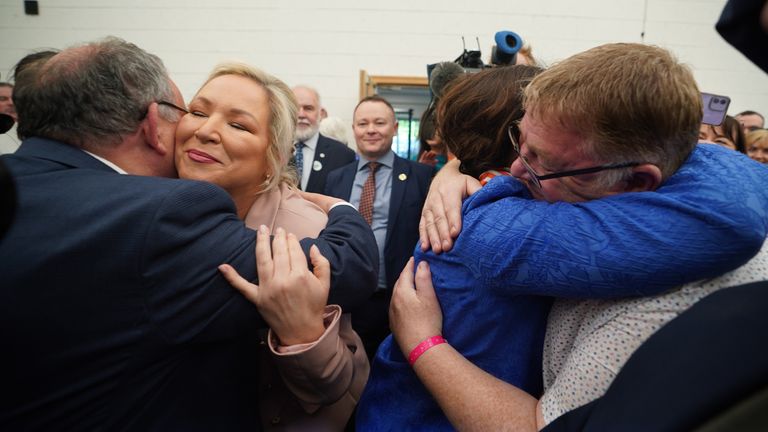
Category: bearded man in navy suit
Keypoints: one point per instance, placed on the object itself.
(399, 187)
(319, 154)
(115, 316)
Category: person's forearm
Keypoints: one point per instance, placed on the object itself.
(318, 373)
(349, 245)
(472, 399)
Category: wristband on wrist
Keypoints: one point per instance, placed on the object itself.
(422, 347)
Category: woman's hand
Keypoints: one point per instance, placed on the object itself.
(441, 215)
(414, 312)
(290, 298)
(428, 158)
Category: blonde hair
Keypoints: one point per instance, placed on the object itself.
(283, 114)
(629, 102)
(755, 136)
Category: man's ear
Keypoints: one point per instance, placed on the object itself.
(645, 177)
(151, 131)
(323, 113)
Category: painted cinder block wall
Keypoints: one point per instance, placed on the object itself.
(326, 43)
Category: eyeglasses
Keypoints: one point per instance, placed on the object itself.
(173, 105)
(536, 179)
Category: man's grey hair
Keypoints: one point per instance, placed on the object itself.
(93, 93)
(313, 90)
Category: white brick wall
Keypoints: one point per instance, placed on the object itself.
(326, 43)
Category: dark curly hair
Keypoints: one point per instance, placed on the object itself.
(475, 113)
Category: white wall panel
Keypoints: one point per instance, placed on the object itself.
(326, 43)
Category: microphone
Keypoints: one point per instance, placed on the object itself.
(442, 74)
(6, 123)
(507, 45)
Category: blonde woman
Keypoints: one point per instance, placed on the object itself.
(238, 134)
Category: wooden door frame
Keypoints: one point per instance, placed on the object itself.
(368, 83)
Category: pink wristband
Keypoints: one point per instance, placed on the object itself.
(424, 346)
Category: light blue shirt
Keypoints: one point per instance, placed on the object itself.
(381, 202)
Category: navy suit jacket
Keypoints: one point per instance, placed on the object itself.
(407, 199)
(113, 312)
(329, 155)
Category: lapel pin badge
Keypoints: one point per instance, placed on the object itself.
(316, 165)
(402, 177)
(322, 155)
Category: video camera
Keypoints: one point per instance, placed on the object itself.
(503, 53)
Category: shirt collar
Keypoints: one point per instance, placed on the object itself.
(312, 141)
(107, 163)
(387, 160)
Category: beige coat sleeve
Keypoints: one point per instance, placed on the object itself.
(334, 367)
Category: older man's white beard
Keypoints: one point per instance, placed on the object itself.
(305, 134)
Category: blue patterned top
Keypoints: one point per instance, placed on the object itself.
(710, 217)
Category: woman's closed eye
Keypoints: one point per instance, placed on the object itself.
(239, 127)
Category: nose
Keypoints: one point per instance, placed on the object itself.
(517, 169)
(208, 132)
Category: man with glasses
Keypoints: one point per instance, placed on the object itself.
(613, 205)
(114, 313)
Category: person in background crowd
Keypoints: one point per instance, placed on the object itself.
(6, 100)
(750, 120)
(389, 192)
(757, 145)
(728, 134)
(432, 151)
(315, 155)
(10, 140)
(336, 128)
(480, 321)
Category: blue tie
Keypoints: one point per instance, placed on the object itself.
(299, 158)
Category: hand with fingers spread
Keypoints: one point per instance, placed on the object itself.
(290, 297)
(441, 215)
(414, 312)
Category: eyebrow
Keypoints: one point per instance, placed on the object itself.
(236, 111)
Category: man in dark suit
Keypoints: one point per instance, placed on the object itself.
(316, 155)
(114, 314)
(389, 192)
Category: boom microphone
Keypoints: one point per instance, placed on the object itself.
(507, 45)
(442, 75)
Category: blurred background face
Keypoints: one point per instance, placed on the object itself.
(750, 122)
(715, 134)
(758, 150)
(225, 137)
(309, 113)
(375, 127)
(6, 102)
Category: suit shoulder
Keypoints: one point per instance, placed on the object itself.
(191, 195)
(338, 171)
(338, 146)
